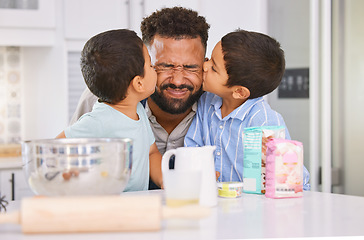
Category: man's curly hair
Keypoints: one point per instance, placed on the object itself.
(177, 23)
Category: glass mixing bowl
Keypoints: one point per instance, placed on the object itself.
(77, 166)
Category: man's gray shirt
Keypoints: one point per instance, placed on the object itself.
(175, 139)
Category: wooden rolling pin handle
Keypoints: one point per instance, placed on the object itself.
(12, 217)
(97, 214)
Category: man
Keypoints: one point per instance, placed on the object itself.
(176, 39)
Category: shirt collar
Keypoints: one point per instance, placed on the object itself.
(240, 112)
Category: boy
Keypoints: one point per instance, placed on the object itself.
(244, 66)
(117, 69)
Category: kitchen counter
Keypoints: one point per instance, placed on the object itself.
(10, 162)
(251, 216)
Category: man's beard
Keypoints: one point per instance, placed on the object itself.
(175, 106)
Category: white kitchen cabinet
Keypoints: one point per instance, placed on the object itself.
(151, 5)
(34, 26)
(13, 184)
(85, 18)
(40, 15)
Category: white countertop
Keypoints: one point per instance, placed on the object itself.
(251, 216)
(10, 162)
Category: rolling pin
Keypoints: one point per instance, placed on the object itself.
(96, 214)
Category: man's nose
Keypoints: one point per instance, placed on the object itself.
(177, 78)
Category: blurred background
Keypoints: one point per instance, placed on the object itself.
(320, 97)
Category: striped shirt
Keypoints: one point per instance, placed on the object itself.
(208, 128)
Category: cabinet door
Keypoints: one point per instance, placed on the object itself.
(85, 18)
(151, 6)
(13, 184)
(24, 14)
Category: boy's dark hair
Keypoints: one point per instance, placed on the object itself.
(253, 60)
(177, 23)
(109, 61)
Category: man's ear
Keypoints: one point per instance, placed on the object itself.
(240, 92)
(137, 84)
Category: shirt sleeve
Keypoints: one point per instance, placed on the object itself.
(306, 179)
(144, 117)
(150, 133)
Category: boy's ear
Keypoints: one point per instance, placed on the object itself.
(240, 92)
(138, 84)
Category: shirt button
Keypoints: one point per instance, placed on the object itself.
(218, 153)
(220, 126)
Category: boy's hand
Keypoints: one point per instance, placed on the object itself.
(61, 135)
(217, 175)
(155, 165)
(264, 142)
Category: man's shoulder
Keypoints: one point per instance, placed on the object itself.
(85, 104)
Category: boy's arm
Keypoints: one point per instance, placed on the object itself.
(155, 165)
(61, 135)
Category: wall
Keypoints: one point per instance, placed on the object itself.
(288, 22)
(348, 97)
(45, 86)
(11, 81)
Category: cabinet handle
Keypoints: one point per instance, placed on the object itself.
(12, 181)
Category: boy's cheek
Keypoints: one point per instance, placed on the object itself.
(203, 82)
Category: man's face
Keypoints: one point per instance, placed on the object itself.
(179, 72)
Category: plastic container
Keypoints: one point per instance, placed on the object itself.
(230, 189)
